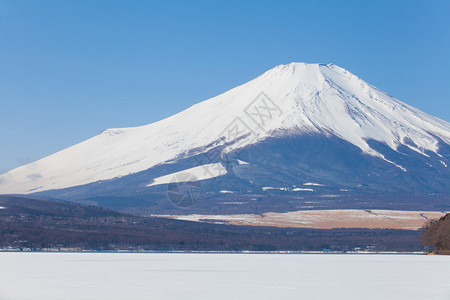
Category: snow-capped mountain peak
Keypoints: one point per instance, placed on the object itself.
(294, 99)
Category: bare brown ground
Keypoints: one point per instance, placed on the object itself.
(324, 219)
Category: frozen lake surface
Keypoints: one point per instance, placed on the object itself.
(222, 276)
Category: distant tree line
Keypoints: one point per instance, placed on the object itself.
(36, 224)
(437, 235)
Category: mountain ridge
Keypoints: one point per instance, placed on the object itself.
(295, 98)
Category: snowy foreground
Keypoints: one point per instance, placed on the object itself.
(222, 276)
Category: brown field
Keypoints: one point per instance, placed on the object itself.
(324, 219)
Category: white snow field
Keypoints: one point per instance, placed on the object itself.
(222, 276)
(310, 98)
(192, 174)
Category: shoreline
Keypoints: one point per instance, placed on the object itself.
(221, 252)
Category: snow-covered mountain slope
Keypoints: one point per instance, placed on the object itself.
(293, 99)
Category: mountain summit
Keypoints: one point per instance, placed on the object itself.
(295, 124)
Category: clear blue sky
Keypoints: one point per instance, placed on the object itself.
(69, 69)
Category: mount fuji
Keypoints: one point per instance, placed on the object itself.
(299, 136)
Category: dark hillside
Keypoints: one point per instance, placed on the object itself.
(37, 224)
